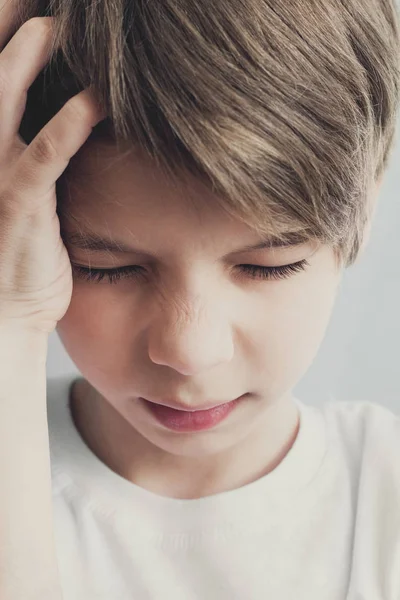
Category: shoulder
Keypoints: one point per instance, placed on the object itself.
(368, 454)
(369, 433)
(363, 417)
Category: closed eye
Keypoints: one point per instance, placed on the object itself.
(133, 271)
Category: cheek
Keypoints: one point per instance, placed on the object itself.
(97, 333)
(294, 328)
(95, 328)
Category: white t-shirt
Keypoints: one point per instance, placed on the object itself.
(323, 525)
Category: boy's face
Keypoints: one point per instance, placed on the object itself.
(191, 326)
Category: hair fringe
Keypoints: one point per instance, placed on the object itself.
(288, 115)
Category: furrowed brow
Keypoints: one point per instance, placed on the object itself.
(96, 243)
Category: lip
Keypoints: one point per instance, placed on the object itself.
(190, 421)
(181, 407)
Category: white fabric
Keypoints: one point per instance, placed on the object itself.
(324, 525)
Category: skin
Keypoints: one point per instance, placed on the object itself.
(194, 328)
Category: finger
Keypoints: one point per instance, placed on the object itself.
(7, 21)
(49, 153)
(26, 54)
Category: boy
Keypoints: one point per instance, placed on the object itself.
(208, 222)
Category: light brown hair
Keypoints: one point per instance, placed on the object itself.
(286, 109)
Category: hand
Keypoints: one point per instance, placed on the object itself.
(35, 270)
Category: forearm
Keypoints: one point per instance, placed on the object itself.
(28, 565)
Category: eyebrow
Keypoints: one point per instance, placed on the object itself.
(96, 243)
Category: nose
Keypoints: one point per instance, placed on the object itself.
(191, 336)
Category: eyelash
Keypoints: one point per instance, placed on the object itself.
(255, 271)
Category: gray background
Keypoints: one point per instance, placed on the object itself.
(359, 358)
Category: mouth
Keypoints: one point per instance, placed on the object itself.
(190, 420)
(182, 408)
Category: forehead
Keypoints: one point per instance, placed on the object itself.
(100, 174)
(123, 189)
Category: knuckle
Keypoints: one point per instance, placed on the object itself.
(43, 149)
(36, 26)
(76, 110)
